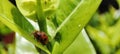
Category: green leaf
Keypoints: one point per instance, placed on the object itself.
(11, 17)
(65, 8)
(40, 17)
(4, 29)
(74, 23)
(51, 28)
(81, 45)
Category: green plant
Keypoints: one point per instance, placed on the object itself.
(66, 22)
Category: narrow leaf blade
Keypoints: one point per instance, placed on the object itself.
(12, 18)
(81, 45)
(74, 23)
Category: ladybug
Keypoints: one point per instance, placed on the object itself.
(41, 37)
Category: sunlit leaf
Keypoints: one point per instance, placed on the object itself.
(81, 45)
(65, 8)
(11, 17)
(74, 23)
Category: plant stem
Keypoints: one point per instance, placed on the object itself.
(40, 17)
(41, 22)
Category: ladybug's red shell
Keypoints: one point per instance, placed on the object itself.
(41, 37)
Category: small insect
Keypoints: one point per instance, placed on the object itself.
(41, 37)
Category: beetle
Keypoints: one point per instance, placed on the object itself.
(41, 37)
